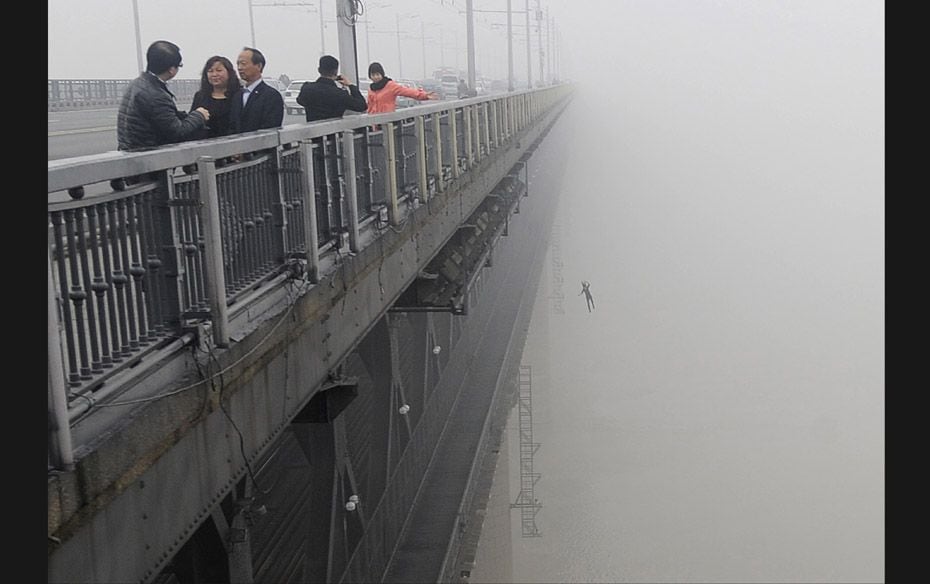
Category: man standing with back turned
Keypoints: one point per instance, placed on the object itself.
(323, 99)
(259, 106)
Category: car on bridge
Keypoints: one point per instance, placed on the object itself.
(291, 107)
(434, 86)
(450, 86)
(402, 101)
(363, 86)
(276, 83)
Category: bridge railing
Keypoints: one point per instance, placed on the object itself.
(69, 94)
(143, 244)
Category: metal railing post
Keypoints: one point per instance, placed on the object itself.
(495, 128)
(526, 110)
(502, 125)
(213, 250)
(437, 135)
(475, 133)
(351, 182)
(391, 175)
(280, 232)
(511, 118)
(59, 428)
(469, 148)
(476, 125)
(311, 234)
(453, 128)
(421, 157)
(487, 127)
(517, 113)
(168, 238)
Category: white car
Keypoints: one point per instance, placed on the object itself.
(363, 86)
(402, 101)
(274, 83)
(291, 107)
(450, 86)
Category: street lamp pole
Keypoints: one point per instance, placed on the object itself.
(442, 49)
(135, 16)
(556, 47)
(251, 23)
(542, 78)
(529, 59)
(367, 42)
(322, 32)
(509, 47)
(346, 17)
(423, 42)
(470, 28)
(548, 44)
(400, 66)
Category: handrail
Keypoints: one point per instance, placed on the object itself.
(132, 269)
(64, 94)
(83, 170)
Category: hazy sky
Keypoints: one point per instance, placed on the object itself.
(90, 39)
(720, 416)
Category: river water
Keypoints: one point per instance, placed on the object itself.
(719, 416)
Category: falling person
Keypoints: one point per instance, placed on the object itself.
(586, 290)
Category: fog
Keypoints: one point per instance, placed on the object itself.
(95, 39)
(720, 415)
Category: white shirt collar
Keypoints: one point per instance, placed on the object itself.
(247, 90)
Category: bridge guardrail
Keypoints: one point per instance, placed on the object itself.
(73, 94)
(138, 240)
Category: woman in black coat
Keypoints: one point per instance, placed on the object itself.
(219, 85)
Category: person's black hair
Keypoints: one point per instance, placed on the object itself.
(329, 65)
(232, 86)
(161, 56)
(257, 57)
(376, 68)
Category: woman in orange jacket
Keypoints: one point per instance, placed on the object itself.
(383, 92)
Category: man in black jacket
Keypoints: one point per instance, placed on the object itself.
(148, 116)
(259, 106)
(323, 99)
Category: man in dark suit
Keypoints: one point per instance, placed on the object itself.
(323, 99)
(259, 106)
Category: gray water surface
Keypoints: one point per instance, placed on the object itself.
(720, 415)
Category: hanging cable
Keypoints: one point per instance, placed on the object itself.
(245, 458)
(202, 381)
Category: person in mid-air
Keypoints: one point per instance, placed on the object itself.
(586, 290)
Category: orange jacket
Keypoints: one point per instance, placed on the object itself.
(383, 100)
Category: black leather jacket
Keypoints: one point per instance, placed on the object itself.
(148, 116)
